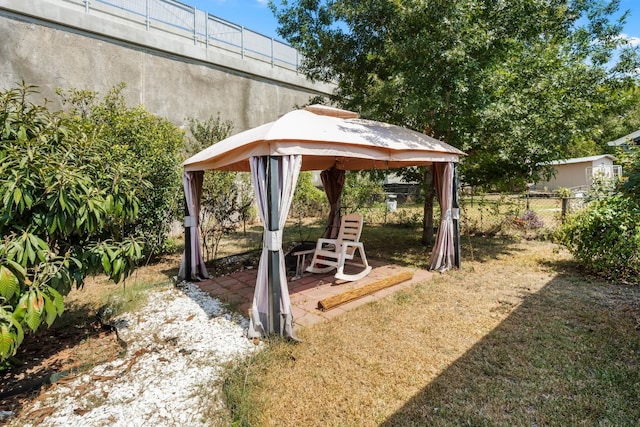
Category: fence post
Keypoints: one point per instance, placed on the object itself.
(565, 209)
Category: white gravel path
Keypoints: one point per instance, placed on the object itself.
(170, 375)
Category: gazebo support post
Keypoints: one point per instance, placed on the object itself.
(456, 218)
(274, 256)
(187, 244)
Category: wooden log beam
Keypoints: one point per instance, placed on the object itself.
(352, 294)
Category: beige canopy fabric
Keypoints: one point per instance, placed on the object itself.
(325, 139)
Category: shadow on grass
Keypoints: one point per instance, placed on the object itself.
(402, 246)
(568, 355)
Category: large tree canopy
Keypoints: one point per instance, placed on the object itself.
(514, 83)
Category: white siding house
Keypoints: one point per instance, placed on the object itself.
(579, 173)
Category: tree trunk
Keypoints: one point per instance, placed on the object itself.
(427, 219)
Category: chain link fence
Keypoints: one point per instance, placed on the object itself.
(488, 214)
(509, 213)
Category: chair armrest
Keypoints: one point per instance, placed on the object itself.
(323, 241)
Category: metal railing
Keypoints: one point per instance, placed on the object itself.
(179, 19)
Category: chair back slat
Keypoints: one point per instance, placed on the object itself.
(350, 228)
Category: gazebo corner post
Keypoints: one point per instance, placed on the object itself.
(274, 255)
(456, 218)
(187, 244)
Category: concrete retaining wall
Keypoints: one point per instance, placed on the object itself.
(49, 44)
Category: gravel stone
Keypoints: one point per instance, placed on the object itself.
(177, 345)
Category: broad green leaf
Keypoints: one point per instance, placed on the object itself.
(63, 199)
(58, 301)
(17, 269)
(49, 310)
(21, 308)
(17, 196)
(11, 318)
(9, 284)
(7, 342)
(31, 254)
(22, 134)
(118, 266)
(106, 264)
(112, 254)
(33, 319)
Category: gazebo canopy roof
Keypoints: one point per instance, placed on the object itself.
(326, 137)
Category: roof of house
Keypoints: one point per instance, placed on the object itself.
(626, 139)
(582, 159)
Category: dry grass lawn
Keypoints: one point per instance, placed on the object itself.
(517, 337)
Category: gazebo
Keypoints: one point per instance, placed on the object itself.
(314, 138)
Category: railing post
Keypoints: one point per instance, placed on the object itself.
(86, 6)
(272, 61)
(206, 30)
(242, 42)
(147, 15)
(195, 26)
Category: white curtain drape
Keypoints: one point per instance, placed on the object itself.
(289, 169)
(192, 182)
(443, 255)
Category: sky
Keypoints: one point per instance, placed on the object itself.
(256, 15)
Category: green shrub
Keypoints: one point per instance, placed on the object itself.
(605, 237)
(227, 197)
(308, 200)
(148, 144)
(65, 198)
(361, 190)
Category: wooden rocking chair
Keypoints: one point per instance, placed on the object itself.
(333, 253)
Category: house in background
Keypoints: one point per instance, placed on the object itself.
(579, 173)
(626, 141)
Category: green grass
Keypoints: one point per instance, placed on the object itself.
(518, 337)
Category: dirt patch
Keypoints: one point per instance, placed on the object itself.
(55, 354)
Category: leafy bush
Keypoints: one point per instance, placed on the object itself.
(65, 197)
(308, 200)
(605, 237)
(407, 218)
(227, 197)
(148, 144)
(360, 191)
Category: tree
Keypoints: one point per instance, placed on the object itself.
(514, 84)
(65, 199)
(620, 123)
(227, 197)
(630, 162)
(148, 144)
